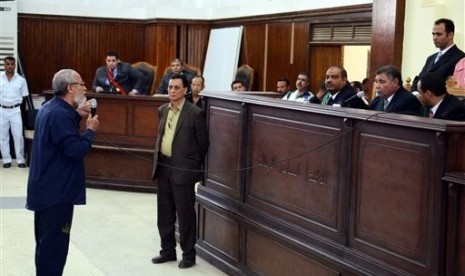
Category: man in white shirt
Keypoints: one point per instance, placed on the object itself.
(302, 94)
(13, 88)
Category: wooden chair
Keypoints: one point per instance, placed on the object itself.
(195, 70)
(454, 88)
(150, 73)
(408, 84)
(245, 73)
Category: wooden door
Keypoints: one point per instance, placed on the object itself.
(321, 58)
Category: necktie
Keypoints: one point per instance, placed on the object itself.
(386, 103)
(438, 56)
(431, 113)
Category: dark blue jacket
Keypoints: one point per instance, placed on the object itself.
(57, 173)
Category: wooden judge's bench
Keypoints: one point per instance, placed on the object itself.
(122, 153)
(303, 189)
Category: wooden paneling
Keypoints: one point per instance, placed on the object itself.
(321, 58)
(261, 259)
(253, 52)
(122, 152)
(455, 232)
(280, 40)
(384, 207)
(221, 234)
(461, 234)
(197, 43)
(354, 191)
(225, 127)
(162, 46)
(48, 44)
(387, 35)
(288, 182)
(274, 46)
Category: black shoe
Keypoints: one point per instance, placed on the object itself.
(186, 263)
(164, 258)
(22, 165)
(7, 165)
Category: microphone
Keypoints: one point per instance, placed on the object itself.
(361, 95)
(93, 106)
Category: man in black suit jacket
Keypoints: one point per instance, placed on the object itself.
(180, 150)
(392, 96)
(177, 67)
(433, 92)
(443, 62)
(118, 77)
(339, 90)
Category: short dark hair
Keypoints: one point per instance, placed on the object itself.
(236, 81)
(199, 77)
(449, 24)
(392, 71)
(112, 54)
(285, 80)
(185, 82)
(357, 84)
(178, 60)
(433, 82)
(10, 58)
(305, 73)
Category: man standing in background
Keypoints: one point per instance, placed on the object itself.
(13, 88)
(57, 176)
(444, 61)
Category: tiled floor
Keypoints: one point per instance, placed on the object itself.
(115, 234)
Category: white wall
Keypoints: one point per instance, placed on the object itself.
(356, 62)
(185, 9)
(419, 20)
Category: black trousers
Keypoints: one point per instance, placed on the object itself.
(52, 230)
(176, 198)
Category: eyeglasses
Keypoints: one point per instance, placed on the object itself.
(80, 83)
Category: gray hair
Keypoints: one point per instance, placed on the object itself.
(61, 80)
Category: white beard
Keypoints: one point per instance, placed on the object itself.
(79, 99)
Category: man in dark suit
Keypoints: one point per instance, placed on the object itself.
(392, 96)
(433, 92)
(177, 67)
(443, 62)
(339, 90)
(118, 77)
(180, 150)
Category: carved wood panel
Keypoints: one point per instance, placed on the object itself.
(390, 169)
(224, 156)
(220, 233)
(261, 258)
(296, 176)
(461, 233)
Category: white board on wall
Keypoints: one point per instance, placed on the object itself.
(222, 57)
